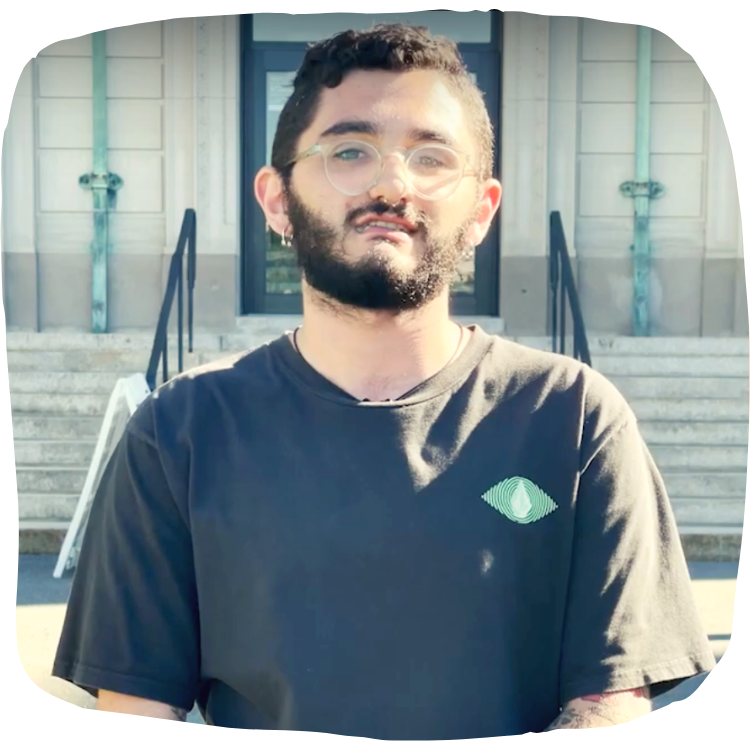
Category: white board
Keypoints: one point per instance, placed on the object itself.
(127, 395)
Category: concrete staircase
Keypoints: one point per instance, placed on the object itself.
(690, 395)
(60, 385)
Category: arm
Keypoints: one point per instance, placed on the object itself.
(603, 710)
(132, 611)
(129, 704)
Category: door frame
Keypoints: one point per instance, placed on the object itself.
(259, 58)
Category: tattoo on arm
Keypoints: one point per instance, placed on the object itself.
(178, 714)
(603, 710)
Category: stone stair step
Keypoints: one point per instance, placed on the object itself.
(62, 382)
(694, 433)
(693, 410)
(642, 346)
(707, 511)
(662, 366)
(74, 453)
(670, 345)
(58, 480)
(44, 524)
(83, 404)
(46, 506)
(698, 457)
(124, 363)
(713, 484)
(78, 342)
(635, 387)
(55, 427)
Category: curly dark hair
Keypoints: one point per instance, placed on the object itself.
(393, 47)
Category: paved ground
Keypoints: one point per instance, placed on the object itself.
(41, 607)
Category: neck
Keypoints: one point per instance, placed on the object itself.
(377, 355)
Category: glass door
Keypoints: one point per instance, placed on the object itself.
(271, 279)
(281, 271)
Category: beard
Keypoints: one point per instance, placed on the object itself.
(374, 282)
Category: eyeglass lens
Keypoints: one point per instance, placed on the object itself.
(354, 166)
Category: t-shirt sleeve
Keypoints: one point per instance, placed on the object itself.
(131, 624)
(631, 618)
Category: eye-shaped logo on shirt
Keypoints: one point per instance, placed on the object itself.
(519, 500)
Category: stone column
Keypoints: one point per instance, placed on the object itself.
(3, 195)
(740, 294)
(218, 171)
(723, 267)
(179, 117)
(523, 216)
(20, 288)
(564, 39)
(179, 142)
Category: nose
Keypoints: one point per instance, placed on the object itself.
(393, 183)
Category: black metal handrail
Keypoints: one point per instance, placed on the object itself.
(561, 273)
(175, 282)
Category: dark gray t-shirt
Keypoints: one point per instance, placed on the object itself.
(456, 563)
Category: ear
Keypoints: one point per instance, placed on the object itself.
(269, 192)
(491, 193)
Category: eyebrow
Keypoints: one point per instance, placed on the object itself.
(364, 127)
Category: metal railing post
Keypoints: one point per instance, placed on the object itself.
(567, 283)
(175, 284)
(554, 281)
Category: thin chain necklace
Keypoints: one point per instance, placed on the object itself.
(450, 361)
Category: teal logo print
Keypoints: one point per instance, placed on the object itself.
(519, 500)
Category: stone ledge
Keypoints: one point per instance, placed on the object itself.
(659, 346)
(711, 547)
(40, 541)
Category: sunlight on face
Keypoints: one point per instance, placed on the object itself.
(389, 247)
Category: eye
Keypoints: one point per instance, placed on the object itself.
(348, 154)
(433, 158)
(429, 161)
(353, 152)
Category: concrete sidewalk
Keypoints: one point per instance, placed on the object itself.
(40, 609)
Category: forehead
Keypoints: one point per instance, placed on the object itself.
(397, 103)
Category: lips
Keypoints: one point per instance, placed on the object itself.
(385, 224)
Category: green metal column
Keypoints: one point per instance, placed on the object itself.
(641, 249)
(642, 189)
(100, 249)
(102, 184)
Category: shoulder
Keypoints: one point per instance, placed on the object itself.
(588, 395)
(525, 364)
(179, 405)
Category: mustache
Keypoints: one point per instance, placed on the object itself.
(401, 210)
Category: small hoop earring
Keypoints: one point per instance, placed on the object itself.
(286, 242)
(468, 253)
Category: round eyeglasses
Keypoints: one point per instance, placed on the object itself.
(353, 167)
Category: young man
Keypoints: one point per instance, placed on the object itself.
(383, 524)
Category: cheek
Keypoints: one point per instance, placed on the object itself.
(312, 184)
(322, 198)
(449, 217)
